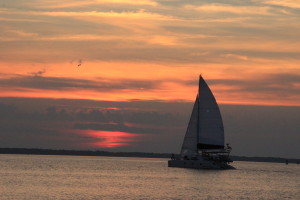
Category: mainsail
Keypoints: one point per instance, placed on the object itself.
(205, 129)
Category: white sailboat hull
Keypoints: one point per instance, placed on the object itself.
(199, 164)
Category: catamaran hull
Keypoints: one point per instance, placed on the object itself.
(199, 164)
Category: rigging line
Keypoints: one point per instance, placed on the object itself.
(227, 134)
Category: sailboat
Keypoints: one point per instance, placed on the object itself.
(203, 146)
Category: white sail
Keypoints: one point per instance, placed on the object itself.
(211, 130)
(205, 129)
(189, 146)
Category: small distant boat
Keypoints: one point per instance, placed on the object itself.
(203, 146)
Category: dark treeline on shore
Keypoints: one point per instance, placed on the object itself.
(81, 153)
(129, 154)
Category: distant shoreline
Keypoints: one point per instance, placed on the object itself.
(33, 151)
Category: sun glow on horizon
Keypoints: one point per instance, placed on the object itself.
(109, 139)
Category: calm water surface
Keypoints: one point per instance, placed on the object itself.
(92, 178)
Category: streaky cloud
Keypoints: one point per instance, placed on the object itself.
(37, 81)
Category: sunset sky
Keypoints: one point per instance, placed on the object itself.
(121, 75)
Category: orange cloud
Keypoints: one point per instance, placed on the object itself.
(106, 81)
(72, 3)
(285, 3)
(216, 8)
(141, 41)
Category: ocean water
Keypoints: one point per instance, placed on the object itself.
(35, 177)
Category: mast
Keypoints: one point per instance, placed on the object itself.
(198, 113)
